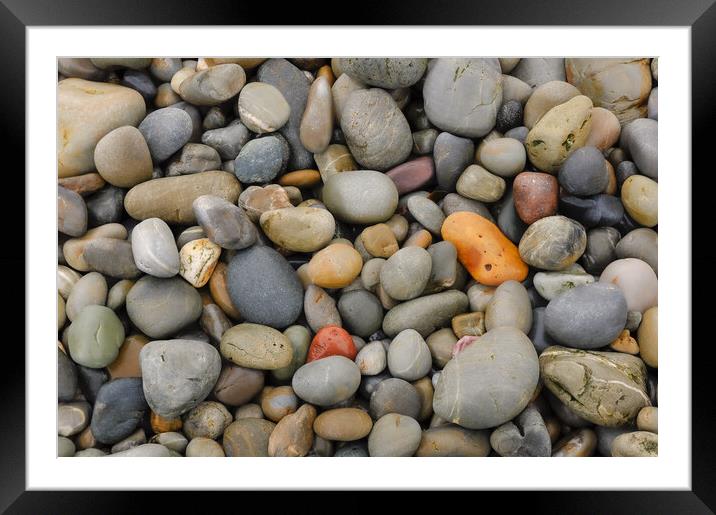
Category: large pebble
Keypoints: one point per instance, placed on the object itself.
(387, 73)
(478, 184)
(551, 284)
(637, 444)
(105, 206)
(640, 197)
(605, 129)
(336, 266)
(412, 175)
(641, 244)
(293, 435)
(95, 337)
(452, 154)
(320, 308)
(409, 356)
(178, 374)
(584, 172)
(262, 108)
(343, 424)
(405, 274)
(300, 338)
(502, 156)
(238, 385)
(197, 260)
(122, 157)
(451, 440)
(256, 346)
(154, 249)
(224, 223)
(641, 138)
(426, 212)
(118, 409)
(600, 251)
(161, 307)
(194, 158)
(256, 200)
(248, 437)
(425, 314)
(66, 378)
(327, 381)
(489, 382)
(371, 359)
(316, 126)
(72, 417)
(648, 337)
(361, 312)
(553, 243)
(262, 159)
(394, 435)
(509, 307)
(90, 290)
(453, 83)
(213, 85)
(71, 212)
(637, 281)
(299, 229)
(393, 395)
(227, 141)
(362, 197)
(535, 196)
(166, 131)
(545, 97)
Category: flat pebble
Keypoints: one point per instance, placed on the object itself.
(553, 243)
(180, 303)
(343, 192)
(394, 435)
(248, 437)
(637, 281)
(409, 356)
(327, 381)
(256, 346)
(262, 108)
(95, 337)
(118, 409)
(165, 131)
(154, 250)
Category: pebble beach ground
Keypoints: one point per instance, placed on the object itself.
(357, 257)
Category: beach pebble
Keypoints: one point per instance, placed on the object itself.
(336, 266)
(248, 437)
(527, 435)
(391, 73)
(316, 126)
(553, 243)
(293, 434)
(213, 85)
(154, 249)
(648, 337)
(95, 336)
(393, 395)
(425, 314)
(637, 444)
(327, 381)
(637, 281)
(165, 131)
(639, 195)
(409, 356)
(237, 385)
(122, 157)
(394, 435)
(361, 312)
(343, 192)
(343, 424)
(451, 440)
(509, 307)
(502, 156)
(261, 160)
(262, 108)
(256, 346)
(299, 229)
(118, 409)
(584, 172)
(180, 305)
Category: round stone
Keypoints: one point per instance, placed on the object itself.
(262, 159)
(343, 424)
(299, 229)
(278, 402)
(641, 244)
(161, 307)
(66, 378)
(264, 287)
(452, 154)
(426, 212)
(546, 96)
(154, 249)
(331, 341)
(214, 85)
(490, 382)
(406, 273)
(510, 114)
(122, 157)
(478, 184)
(553, 243)
(178, 374)
(165, 131)
(256, 346)
(197, 260)
(372, 359)
(640, 197)
(238, 385)
(208, 419)
(336, 266)
(605, 129)
(505, 157)
(95, 337)
(90, 290)
(386, 73)
(227, 141)
(588, 316)
(637, 281)
(320, 308)
(640, 137)
(342, 192)
(71, 212)
(201, 447)
(453, 83)
(584, 172)
(262, 108)
(509, 306)
(118, 409)
(535, 196)
(638, 444)
(648, 337)
(248, 437)
(394, 435)
(451, 440)
(361, 312)
(551, 284)
(326, 381)
(256, 200)
(412, 175)
(600, 251)
(409, 356)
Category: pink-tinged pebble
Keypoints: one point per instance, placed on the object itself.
(462, 343)
(412, 175)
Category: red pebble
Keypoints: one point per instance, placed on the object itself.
(331, 341)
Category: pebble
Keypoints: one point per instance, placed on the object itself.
(647, 419)
(526, 436)
(334, 160)
(91, 380)
(637, 281)
(224, 223)
(639, 195)
(256, 346)
(426, 212)
(606, 129)
(320, 308)
(148, 450)
(536, 71)
(546, 96)
(261, 160)
(256, 200)
(406, 273)
(105, 206)
(300, 339)
(327, 381)
(316, 126)
(412, 175)
(118, 409)
(394, 435)
(66, 378)
(361, 312)
(86, 112)
(375, 129)
(409, 356)
(72, 417)
(640, 244)
(538, 333)
(509, 307)
(172, 198)
(595, 211)
(605, 388)
(201, 447)
(293, 435)
(478, 184)
(227, 141)
(89, 290)
(262, 108)
(178, 374)
(194, 158)
(343, 191)
(122, 157)
(387, 73)
(510, 114)
(197, 260)
(584, 172)
(180, 305)
(578, 444)
(551, 284)
(505, 157)
(127, 362)
(238, 385)
(299, 229)
(441, 343)
(208, 419)
(600, 250)
(154, 249)
(535, 196)
(95, 337)
(165, 131)
(264, 287)
(343, 424)
(483, 249)
(278, 402)
(648, 337)
(561, 131)
(331, 341)
(72, 217)
(341, 90)
(248, 437)
(379, 241)
(214, 85)
(84, 184)
(336, 266)
(640, 138)
(451, 83)
(451, 440)
(425, 314)
(80, 67)
(502, 366)
(372, 359)
(553, 243)
(638, 444)
(393, 395)
(452, 203)
(452, 154)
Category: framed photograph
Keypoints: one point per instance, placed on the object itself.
(429, 233)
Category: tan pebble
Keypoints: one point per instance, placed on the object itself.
(425, 389)
(379, 240)
(293, 435)
(578, 444)
(469, 324)
(301, 179)
(343, 424)
(648, 419)
(648, 337)
(605, 129)
(421, 238)
(197, 260)
(625, 343)
(336, 266)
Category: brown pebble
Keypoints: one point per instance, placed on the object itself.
(293, 435)
(84, 184)
(327, 72)
(256, 200)
(127, 362)
(425, 389)
(343, 424)
(248, 437)
(536, 195)
(164, 425)
(220, 293)
(301, 178)
(279, 402)
(379, 240)
(625, 343)
(469, 324)
(238, 385)
(611, 188)
(421, 238)
(579, 444)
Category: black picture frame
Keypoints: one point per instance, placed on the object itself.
(16, 15)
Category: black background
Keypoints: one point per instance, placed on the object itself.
(16, 14)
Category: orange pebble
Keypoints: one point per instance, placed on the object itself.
(164, 425)
(327, 72)
(300, 178)
(489, 256)
(331, 341)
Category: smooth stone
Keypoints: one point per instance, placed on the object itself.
(180, 305)
(394, 435)
(86, 112)
(605, 129)
(66, 378)
(166, 96)
(341, 91)
(227, 141)
(441, 343)
(579, 443)
(371, 359)
(140, 81)
(343, 424)
(452, 83)
(316, 126)
(526, 436)
(386, 73)
(262, 159)
(584, 172)
(596, 211)
(248, 437)
(171, 198)
(637, 281)
(409, 356)
(72, 215)
(327, 381)
(73, 249)
(545, 97)
(479, 296)
(264, 287)
(147, 450)
(621, 85)
(136, 438)
(72, 418)
(478, 184)
(294, 86)
(214, 322)
(553, 243)
(469, 324)
(204, 448)
(122, 157)
(197, 260)
(208, 419)
(588, 316)
(331, 341)
(256, 200)
(509, 307)
(507, 218)
(262, 108)
(638, 444)
(178, 374)
(154, 249)
(194, 158)
(505, 157)
(647, 419)
(412, 175)
(299, 229)
(639, 195)
(220, 293)
(256, 346)
(561, 131)
(605, 388)
(214, 85)
(320, 308)
(489, 382)
(514, 89)
(405, 274)
(451, 440)
(640, 244)
(105, 206)
(80, 68)
(425, 314)
(238, 385)
(444, 267)
(536, 71)
(538, 334)
(606, 436)
(342, 191)
(163, 68)
(601, 249)
(89, 290)
(452, 154)
(424, 141)
(426, 212)
(118, 409)
(336, 266)
(165, 131)
(175, 442)
(90, 453)
(85, 184)
(361, 312)
(300, 338)
(535, 196)
(95, 337)
(378, 240)
(293, 435)
(551, 284)
(624, 170)
(301, 178)
(633, 320)
(278, 402)
(653, 105)
(452, 203)
(510, 114)
(127, 362)
(648, 337)
(375, 129)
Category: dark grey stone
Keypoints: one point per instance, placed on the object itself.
(452, 154)
(227, 141)
(525, 436)
(601, 249)
(361, 312)
(105, 206)
(118, 409)
(584, 172)
(66, 378)
(538, 334)
(140, 81)
(509, 116)
(224, 223)
(261, 160)
(166, 131)
(395, 396)
(91, 380)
